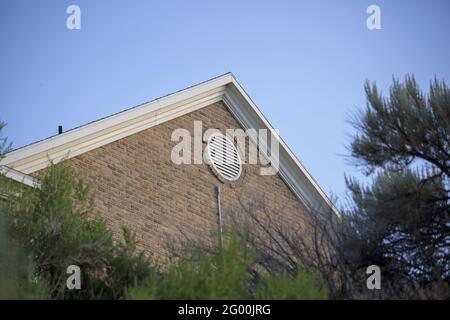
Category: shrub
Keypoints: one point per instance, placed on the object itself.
(202, 273)
(56, 224)
(226, 272)
(306, 285)
(16, 269)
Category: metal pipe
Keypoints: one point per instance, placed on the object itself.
(219, 217)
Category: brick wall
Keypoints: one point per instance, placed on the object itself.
(135, 183)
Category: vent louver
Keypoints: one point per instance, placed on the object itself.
(224, 157)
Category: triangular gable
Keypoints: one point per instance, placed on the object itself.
(225, 88)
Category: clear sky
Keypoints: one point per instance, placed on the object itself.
(304, 63)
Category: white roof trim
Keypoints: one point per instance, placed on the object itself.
(224, 88)
(19, 176)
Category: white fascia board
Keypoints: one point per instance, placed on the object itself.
(19, 176)
(77, 141)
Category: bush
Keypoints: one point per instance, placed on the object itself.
(125, 267)
(16, 269)
(306, 285)
(56, 223)
(201, 273)
(226, 272)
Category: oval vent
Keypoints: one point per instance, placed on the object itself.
(224, 157)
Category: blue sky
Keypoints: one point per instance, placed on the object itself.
(304, 63)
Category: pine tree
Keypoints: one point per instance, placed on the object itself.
(401, 220)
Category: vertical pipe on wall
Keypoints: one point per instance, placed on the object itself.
(219, 217)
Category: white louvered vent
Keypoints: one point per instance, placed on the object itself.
(224, 157)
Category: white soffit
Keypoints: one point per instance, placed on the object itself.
(69, 144)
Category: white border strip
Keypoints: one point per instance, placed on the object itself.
(19, 176)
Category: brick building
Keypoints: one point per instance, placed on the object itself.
(127, 159)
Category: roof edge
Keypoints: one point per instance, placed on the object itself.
(19, 176)
(226, 88)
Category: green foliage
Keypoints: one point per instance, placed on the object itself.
(401, 221)
(404, 199)
(125, 267)
(218, 273)
(53, 223)
(226, 273)
(404, 127)
(306, 285)
(16, 266)
(56, 223)
(16, 269)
